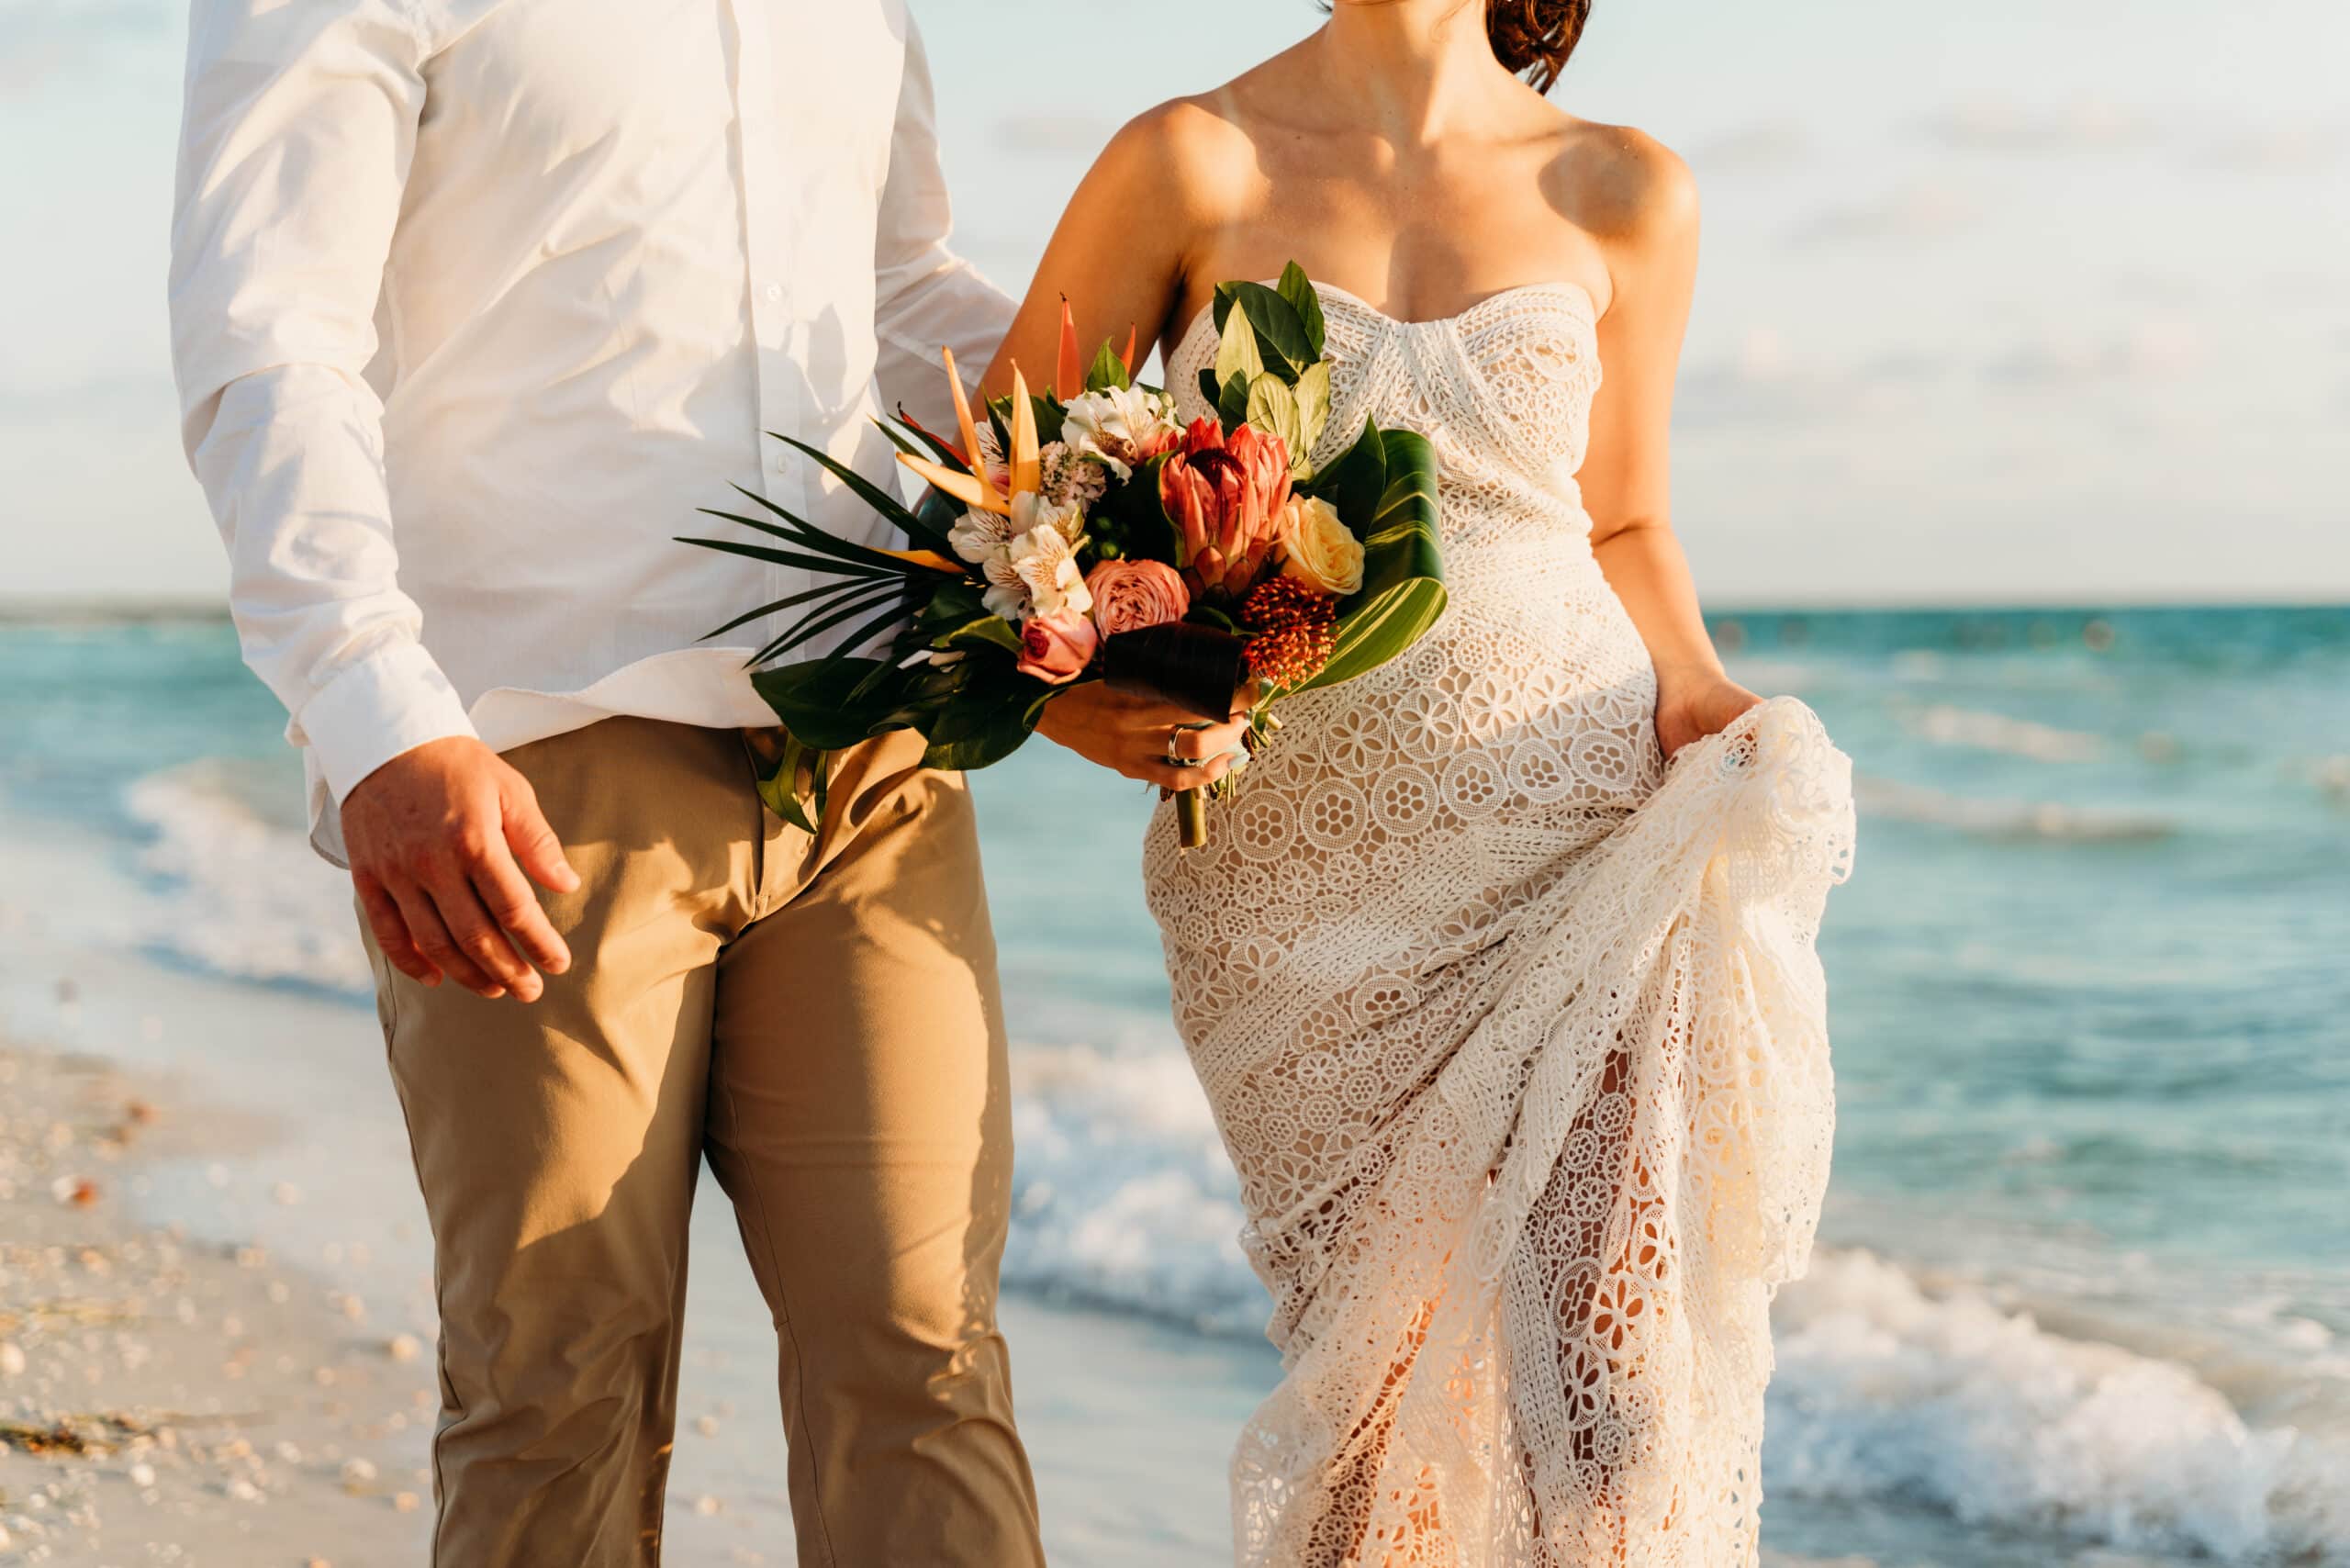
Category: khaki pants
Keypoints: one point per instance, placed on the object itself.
(819, 1019)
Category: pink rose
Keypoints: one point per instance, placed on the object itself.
(1055, 648)
(1131, 594)
(1224, 495)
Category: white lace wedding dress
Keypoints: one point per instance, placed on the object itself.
(1516, 1034)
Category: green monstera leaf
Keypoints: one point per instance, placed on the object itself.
(1385, 488)
(989, 727)
(832, 704)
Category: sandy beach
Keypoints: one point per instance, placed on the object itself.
(166, 1398)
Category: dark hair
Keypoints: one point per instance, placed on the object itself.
(1533, 37)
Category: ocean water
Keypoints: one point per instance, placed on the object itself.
(2085, 1289)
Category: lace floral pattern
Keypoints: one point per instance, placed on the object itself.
(1517, 1036)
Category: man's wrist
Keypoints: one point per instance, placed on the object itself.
(375, 709)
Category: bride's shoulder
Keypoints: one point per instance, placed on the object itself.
(1189, 151)
(1619, 183)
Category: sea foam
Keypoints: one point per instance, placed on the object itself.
(241, 894)
(1885, 1389)
(2009, 820)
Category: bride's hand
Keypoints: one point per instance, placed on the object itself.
(1136, 735)
(1693, 706)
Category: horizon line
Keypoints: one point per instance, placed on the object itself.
(21, 610)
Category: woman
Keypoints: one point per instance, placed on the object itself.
(1516, 1038)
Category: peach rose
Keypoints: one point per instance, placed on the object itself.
(1131, 594)
(1055, 648)
(1318, 548)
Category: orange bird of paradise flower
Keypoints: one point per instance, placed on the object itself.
(974, 489)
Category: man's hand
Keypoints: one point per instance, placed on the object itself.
(439, 838)
(1136, 735)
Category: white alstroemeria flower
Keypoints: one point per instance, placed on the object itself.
(1048, 567)
(1031, 511)
(979, 536)
(994, 543)
(1007, 591)
(990, 455)
(1118, 425)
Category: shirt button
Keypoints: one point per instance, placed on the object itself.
(783, 464)
(774, 291)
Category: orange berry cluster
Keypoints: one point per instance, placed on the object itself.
(1297, 629)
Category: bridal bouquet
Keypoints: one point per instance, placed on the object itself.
(1089, 535)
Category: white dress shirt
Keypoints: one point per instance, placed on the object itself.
(474, 301)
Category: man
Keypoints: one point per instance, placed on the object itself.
(473, 302)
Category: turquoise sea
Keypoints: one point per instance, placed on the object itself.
(2084, 1290)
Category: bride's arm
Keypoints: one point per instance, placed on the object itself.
(1120, 256)
(1123, 247)
(1648, 208)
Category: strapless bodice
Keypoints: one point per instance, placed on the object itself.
(1503, 390)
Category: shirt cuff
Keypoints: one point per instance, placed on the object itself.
(393, 701)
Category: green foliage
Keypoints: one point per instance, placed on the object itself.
(1050, 417)
(1238, 357)
(797, 788)
(813, 699)
(882, 502)
(1403, 589)
(1134, 520)
(1268, 369)
(984, 631)
(1297, 289)
(1312, 394)
(1357, 480)
(979, 733)
(1282, 338)
(1108, 371)
(1273, 411)
(1232, 401)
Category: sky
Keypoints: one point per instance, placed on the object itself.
(2006, 301)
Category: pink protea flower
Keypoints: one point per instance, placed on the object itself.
(1224, 495)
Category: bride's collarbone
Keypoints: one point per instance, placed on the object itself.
(1419, 271)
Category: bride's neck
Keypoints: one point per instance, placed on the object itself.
(1414, 65)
